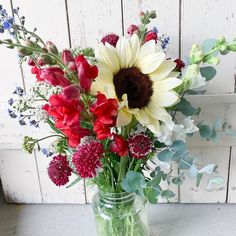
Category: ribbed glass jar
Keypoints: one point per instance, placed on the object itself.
(120, 214)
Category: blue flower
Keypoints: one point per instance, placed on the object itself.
(10, 101)
(155, 30)
(34, 123)
(19, 91)
(22, 122)
(7, 24)
(12, 114)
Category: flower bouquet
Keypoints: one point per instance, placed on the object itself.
(117, 113)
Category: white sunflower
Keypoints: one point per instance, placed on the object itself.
(140, 78)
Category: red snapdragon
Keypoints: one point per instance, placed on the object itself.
(132, 29)
(119, 145)
(111, 39)
(86, 72)
(151, 35)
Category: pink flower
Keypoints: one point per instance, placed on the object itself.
(151, 35)
(59, 170)
(111, 39)
(86, 72)
(140, 145)
(67, 57)
(87, 158)
(119, 145)
(133, 29)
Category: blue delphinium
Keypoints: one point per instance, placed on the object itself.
(19, 91)
(6, 21)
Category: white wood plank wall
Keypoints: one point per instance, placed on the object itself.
(78, 22)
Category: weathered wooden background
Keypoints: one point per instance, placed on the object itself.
(78, 22)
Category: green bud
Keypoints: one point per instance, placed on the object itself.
(196, 54)
(221, 40)
(192, 71)
(28, 144)
(152, 14)
(31, 44)
(46, 59)
(212, 60)
(232, 48)
(222, 48)
(51, 47)
(24, 52)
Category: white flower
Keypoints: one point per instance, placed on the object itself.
(140, 79)
(193, 75)
(165, 134)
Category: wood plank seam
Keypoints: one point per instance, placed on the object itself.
(38, 176)
(228, 177)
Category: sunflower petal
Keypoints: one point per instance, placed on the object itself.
(123, 118)
(167, 84)
(164, 98)
(151, 62)
(106, 54)
(163, 71)
(147, 49)
(124, 52)
(135, 49)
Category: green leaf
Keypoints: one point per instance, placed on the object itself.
(195, 92)
(225, 126)
(185, 163)
(208, 72)
(157, 179)
(74, 182)
(199, 178)
(165, 155)
(186, 108)
(205, 131)
(133, 182)
(178, 146)
(167, 194)
(208, 169)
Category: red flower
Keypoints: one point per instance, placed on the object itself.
(86, 72)
(105, 110)
(69, 60)
(179, 64)
(132, 29)
(71, 92)
(140, 145)
(66, 114)
(102, 131)
(52, 75)
(119, 145)
(87, 158)
(111, 39)
(59, 170)
(151, 35)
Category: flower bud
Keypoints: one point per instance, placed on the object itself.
(221, 40)
(133, 29)
(72, 66)
(31, 44)
(67, 57)
(51, 47)
(213, 60)
(45, 59)
(192, 71)
(30, 62)
(151, 35)
(24, 52)
(111, 39)
(196, 54)
(179, 64)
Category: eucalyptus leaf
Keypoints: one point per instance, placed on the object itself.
(165, 155)
(186, 108)
(230, 132)
(133, 182)
(218, 123)
(167, 194)
(177, 181)
(199, 178)
(151, 195)
(178, 145)
(207, 45)
(208, 72)
(205, 131)
(208, 169)
(185, 163)
(216, 180)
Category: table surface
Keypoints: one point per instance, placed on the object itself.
(77, 220)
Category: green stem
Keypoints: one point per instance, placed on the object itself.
(50, 136)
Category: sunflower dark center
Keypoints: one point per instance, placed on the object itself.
(135, 84)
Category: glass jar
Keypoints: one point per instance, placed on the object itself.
(120, 214)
